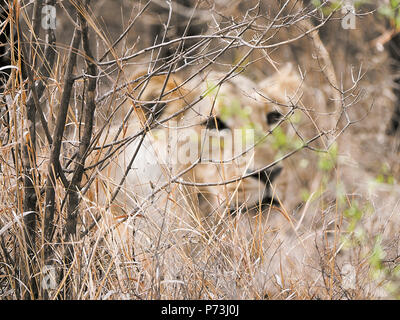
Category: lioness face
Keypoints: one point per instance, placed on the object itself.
(207, 151)
(237, 143)
(157, 122)
(227, 135)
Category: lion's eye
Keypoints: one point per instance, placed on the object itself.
(153, 107)
(214, 123)
(273, 117)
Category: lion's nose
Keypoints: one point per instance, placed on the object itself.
(266, 176)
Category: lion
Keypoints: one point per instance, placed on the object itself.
(252, 110)
(191, 156)
(143, 219)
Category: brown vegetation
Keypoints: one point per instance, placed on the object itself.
(99, 199)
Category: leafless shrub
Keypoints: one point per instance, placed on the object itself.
(84, 216)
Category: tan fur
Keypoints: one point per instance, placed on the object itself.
(171, 224)
(149, 222)
(245, 104)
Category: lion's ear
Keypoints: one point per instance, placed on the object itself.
(282, 86)
(152, 101)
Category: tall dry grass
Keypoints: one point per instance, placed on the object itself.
(334, 234)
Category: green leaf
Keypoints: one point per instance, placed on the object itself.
(211, 88)
(386, 11)
(279, 139)
(327, 161)
(378, 254)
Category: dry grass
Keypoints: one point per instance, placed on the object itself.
(335, 234)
